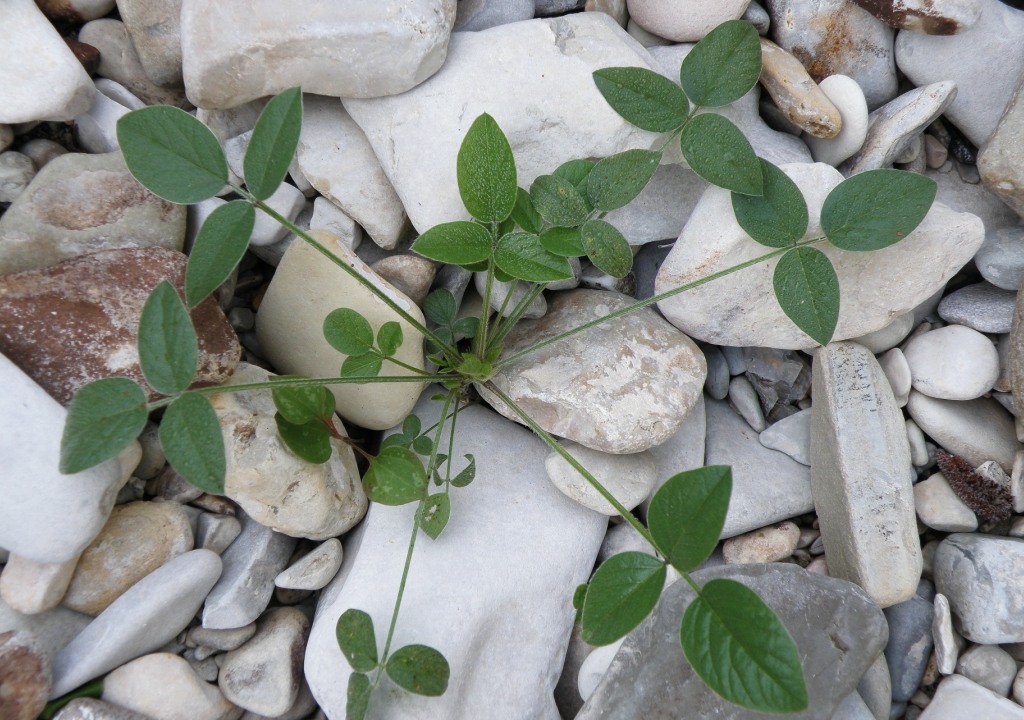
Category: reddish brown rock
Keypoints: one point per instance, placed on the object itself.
(934, 17)
(77, 321)
(24, 677)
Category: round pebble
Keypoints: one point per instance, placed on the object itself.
(981, 306)
(766, 545)
(629, 478)
(952, 363)
(990, 666)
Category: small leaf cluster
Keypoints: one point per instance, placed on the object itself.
(348, 332)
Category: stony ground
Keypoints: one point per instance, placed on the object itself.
(878, 500)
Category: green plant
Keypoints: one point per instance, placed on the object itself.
(730, 637)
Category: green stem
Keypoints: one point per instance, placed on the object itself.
(399, 363)
(517, 313)
(480, 341)
(554, 445)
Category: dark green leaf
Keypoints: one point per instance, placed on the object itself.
(419, 669)
(172, 154)
(558, 201)
(808, 292)
(440, 307)
(622, 593)
(367, 364)
(580, 596)
(221, 243)
(606, 248)
(434, 514)
(423, 445)
(467, 327)
(191, 438)
(874, 209)
(457, 243)
(389, 338)
(273, 143)
(779, 217)
(723, 66)
(299, 405)
(523, 213)
(103, 419)
(619, 178)
(647, 99)
(357, 702)
(575, 171)
(348, 332)
(356, 640)
(465, 477)
(563, 241)
(687, 514)
(486, 171)
(741, 649)
(411, 426)
(522, 256)
(395, 477)
(311, 440)
(716, 150)
(396, 440)
(168, 346)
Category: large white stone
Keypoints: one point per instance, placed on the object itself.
(847, 96)
(683, 20)
(860, 461)
(629, 478)
(953, 363)
(417, 134)
(958, 698)
(305, 289)
(977, 430)
(164, 685)
(238, 50)
(493, 593)
(741, 309)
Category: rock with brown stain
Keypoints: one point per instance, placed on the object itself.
(24, 676)
(933, 17)
(1001, 162)
(796, 94)
(78, 321)
(75, 11)
(621, 387)
(80, 204)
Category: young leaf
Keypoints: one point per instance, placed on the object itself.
(874, 209)
(619, 178)
(606, 248)
(575, 171)
(558, 201)
(779, 217)
(741, 649)
(366, 364)
(389, 338)
(348, 332)
(807, 288)
(411, 426)
(458, 243)
(467, 327)
(723, 66)
(523, 213)
(563, 241)
(579, 597)
(104, 417)
(356, 640)
(647, 99)
(395, 477)
(622, 593)
(423, 445)
(192, 441)
(357, 701)
(168, 346)
(716, 150)
(687, 514)
(522, 256)
(466, 475)
(172, 154)
(300, 405)
(486, 171)
(439, 307)
(419, 669)
(273, 143)
(310, 440)
(434, 514)
(221, 243)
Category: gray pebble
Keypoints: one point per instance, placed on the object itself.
(981, 306)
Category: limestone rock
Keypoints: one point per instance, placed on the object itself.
(847, 96)
(796, 94)
(24, 676)
(1000, 160)
(934, 17)
(766, 545)
(952, 363)
(977, 430)
(155, 31)
(314, 569)
(629, 478)
(958, 698)
(31, 587)
(683, 20)
(164, 685)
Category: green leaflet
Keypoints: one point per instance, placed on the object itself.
(619, 178)
(687, 514)
(356, 640)
(874, 209)
(191, 438)
(220, 245)
(395, 477)
(606, 248)
(434, 514)
(168, 346)
(648, 100)
(723, 66)
(558, 201)
(302, 404)
(523, 256)
(807, 289)
(457, 243)
(103, 419)
(716, 150)
(273, 143)
(348, 332)
(487, 171)
(419, 669)
(310, 440)
(778, 218)
(621, 594)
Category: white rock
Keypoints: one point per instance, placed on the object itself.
(314, 569)
(977, 430)
(947, 641)
(661, 209)
(791, 435)
(940, 508)
(990, 666)
(647, 39)
(31, 587)
(594, 668)
(539, 112)
(216, 532)
(147, 616)
(504, 619)
(305, 289)
(629, 478)
(918, 445)
(155, 30)
(84, 9)
(682, 451)
(744, 399)
(897, 372)
(337, 160)
(220, 639)
(518, 290)
(864, 500)
(683, 20)
(16, 172)
(741, 310)
(96, 130)
(958, 698)
(952, 363)
(1017, 482)
(766, 545)
(890, 336)
(163, 685)
(42, 79)
(287, 201)
(846, 95)
(236, 52)
(1001, 259)
(328, 216)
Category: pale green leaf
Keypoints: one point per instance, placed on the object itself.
(523, 256)
(558, 201)
(563, 241)
(272, 146)
(807, 289)
(366, 364)
(191, 439)
(395, 477)
(687, 514)
(457, 243)
(348, 332)
(487, 171)
(419, 669)
(310, 440)
(647, 99)
(356, 639)
(357, 701)
(219, 246)
(168, 346)
(103, 419)
(389, 338)
(434, 514)
(606, 248)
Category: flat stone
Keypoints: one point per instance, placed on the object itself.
(289, 325)
(990, 666)
(791, 435)
(745, 401)
(1000, 260)
(155, 31)
(766, 545)
(682, 451)
(616, 9)
(81, 204)
(1000, 159)
(234, 53)
(952, 363)
(314, 569)
(865, 501)
(273, 485)
(796, 94)
(147, 616)
(683, 20)
(958, 698)
(78, 321)
(934, 17)
(947, 641)
(756, 501)
(741, 310)
(511, 664)
(661, 209)
(629, 478)
(31, 587)
(848, 98)
(539, 112)
(411, 274)
(977, 430)
(650, 677)
(621, 387)
(981, 306)
(24, 676)
(51, 629)
(981, 577)
(940, 508)
(716, 385)
(473, 15)
(910, 644)
(165, 685)
(93, 709)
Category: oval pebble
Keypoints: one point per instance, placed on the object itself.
(629, 478)
(981, 306)
(766, 545)
(952, 363)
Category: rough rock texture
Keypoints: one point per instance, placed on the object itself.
(24, 676)
(796, 94)
(958, 698)
(934, 17)
(164, 685)
(999, 162)
(78, 321)
(621, 387)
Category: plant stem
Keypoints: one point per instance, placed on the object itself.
(517, 313)
(399, 363)
(480, 341)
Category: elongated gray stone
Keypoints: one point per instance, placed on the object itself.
(977, 430)
(860, 460)
(958, 698)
